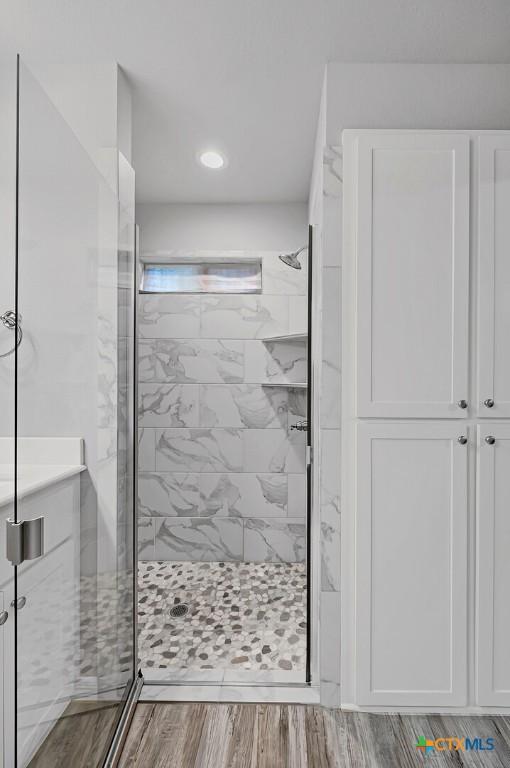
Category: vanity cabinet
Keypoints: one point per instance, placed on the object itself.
(47, 641)
(426, 419)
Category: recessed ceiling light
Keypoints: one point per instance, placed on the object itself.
(212, 159)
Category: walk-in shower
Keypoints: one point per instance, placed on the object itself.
(222, 485)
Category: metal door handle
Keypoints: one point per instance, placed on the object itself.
(25, 539)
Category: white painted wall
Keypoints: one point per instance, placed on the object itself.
(414, 95)
(269, 227)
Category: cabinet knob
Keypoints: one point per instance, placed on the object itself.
(462, 403)
(19, 603)
(3, 617)
(490, 439)
(462, 439)
(489, 402)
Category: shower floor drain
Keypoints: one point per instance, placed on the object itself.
(179, 611)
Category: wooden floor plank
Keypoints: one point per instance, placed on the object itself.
(139, 725)
(272, 736)
(80, 737)
(297, 751)
(299, 736)
(241, 737)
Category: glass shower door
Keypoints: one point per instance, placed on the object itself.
(74, 584)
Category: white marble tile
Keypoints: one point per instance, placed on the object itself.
(178, 675)
(199, 539)
(269, 676)
(330, 640)
(276, 361)
(333, 171)
(275, 540)
(331, 404)
(199, 450)
(280, 279)
(273, 451)
(297, 405)
(107, 369)
(330, 509)
(194, 360)
(168, 405)
(298, 314)
(231, 693)
(179, 692)
(145, 538)
(331, 349)
(146, 449)
(270, 694)
(244, 495)
(332, 232)
(242, 405)
(331, 308)
(297, 495)
(168, 316)
(330, 695)
(244, 317)
(169, 494)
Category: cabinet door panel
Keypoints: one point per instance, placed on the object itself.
(411, 564)
(493, 566)
(412, 274)
(494, 275)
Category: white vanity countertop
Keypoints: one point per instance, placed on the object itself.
(42, 461)
(33, 478)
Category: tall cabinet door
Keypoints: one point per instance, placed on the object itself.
(494, 276)
(493, 565)
(412, 252)
(411, 564)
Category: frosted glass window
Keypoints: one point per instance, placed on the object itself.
(214, 277)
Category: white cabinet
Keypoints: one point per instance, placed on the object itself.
(412, 262)
(493, 561)
(494, 275)
(411, 533)
(415, 591)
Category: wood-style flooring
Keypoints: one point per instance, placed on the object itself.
(80, 738)
(173, 735)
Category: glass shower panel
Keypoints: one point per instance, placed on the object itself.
(8, 334)
(75, 647)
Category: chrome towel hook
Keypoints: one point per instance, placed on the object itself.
(13, 323)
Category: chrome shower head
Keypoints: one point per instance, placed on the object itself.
(291, 259)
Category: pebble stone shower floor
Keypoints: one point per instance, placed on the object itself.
(245, 616)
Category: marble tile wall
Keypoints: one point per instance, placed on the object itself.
(221, 473)
(330, 410)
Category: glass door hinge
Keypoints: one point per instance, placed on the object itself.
(25, 540)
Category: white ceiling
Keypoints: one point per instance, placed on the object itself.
(245, 76)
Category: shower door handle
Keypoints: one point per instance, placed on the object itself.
(25, 540)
